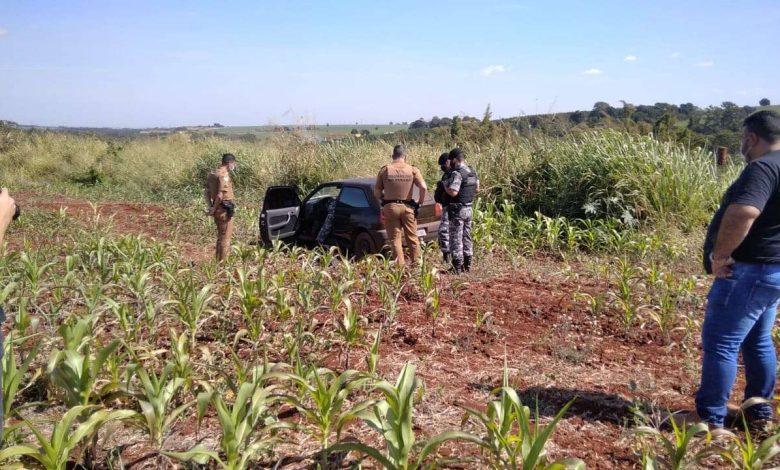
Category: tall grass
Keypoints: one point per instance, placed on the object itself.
(602, 174)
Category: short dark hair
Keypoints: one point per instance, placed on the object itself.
(227, 158)
(457, 154)
(398, 151)
(443, 158)
(765, 124)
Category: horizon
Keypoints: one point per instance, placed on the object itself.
(178, 64)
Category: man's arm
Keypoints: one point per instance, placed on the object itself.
(420, 182)
(7, 208)
(452, 187)
(734, 227)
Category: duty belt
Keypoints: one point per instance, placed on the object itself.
(407, 202)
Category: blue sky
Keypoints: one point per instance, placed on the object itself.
(165, 63)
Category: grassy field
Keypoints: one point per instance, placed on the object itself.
(127, 347)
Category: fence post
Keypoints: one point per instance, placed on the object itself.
(722, 156)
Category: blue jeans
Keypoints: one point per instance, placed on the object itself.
(740, 315)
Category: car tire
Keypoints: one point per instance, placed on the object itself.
(363, 245)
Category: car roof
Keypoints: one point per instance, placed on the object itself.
(357, 181)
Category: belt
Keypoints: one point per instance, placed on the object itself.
(396, 201)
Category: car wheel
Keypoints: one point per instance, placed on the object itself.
(363, 245)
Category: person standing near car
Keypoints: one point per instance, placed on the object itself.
(7, 210)
(462, 187)
(394, 187)
(742, 250)
(219, 197)
(442, 198)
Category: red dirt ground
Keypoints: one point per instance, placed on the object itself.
(556, 351)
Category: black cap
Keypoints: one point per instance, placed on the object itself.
(227, 158)
(443, 158)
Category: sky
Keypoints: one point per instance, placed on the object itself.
(106, 63)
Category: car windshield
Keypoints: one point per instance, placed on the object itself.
(327, 191)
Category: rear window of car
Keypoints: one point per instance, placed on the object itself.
(353, 197)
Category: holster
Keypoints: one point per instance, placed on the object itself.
(229, 207)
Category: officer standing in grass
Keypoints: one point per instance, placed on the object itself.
(394, 187)
(742, 250)
(462, 187)
(219, 197)
(441, 197)
(7, 210)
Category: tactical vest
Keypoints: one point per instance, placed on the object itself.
(468, 187)
(440, 195)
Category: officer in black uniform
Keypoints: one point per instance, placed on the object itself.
(441, 197)
(462, 187)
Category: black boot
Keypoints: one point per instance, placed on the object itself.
(446, 256)
(457, 266)
(467, 263)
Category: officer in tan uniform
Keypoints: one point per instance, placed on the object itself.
(219, 197)
(394, 185)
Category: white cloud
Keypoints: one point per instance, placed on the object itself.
(676, 55)
(3, 31)
(704, 63)
(631, 58)
(491, 70)
(593, 72)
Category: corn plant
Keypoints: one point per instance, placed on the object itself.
(323, 402)
(192, 305)
(372, 359)
(249, 427)
(745, 454)
(76, 373)
(392, 418)
(389, 298)
(14, 374)
(432, 295)
(348, 326)
(154, 397)
(180, 358)
(252, 294)
(53, 452)
(676, 451)
(510, 439)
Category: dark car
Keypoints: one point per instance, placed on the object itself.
(358, 225)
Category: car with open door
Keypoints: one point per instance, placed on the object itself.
(358, 224)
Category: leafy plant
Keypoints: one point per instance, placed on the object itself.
(54, 451)
(392, 418)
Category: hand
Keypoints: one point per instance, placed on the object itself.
(210, 211)
(7, 208)
(722, 267)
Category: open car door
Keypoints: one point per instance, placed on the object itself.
(280, 214)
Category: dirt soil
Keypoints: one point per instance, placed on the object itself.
(555, 349)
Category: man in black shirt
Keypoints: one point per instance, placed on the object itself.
(742, 250)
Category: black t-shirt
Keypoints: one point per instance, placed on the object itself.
(759, 186)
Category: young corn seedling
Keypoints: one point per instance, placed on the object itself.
(372, 359)
(510, 438)
(389, 298)
(249, 427)
(432, 295)
(677, 452)
(54, 452)
(348, 326)
(192, 305)
(323, 400)
(14, 374)
(392, 418)
(75, 372)
(154, 397)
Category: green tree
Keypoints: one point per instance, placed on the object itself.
(457, 128)
(765, 102)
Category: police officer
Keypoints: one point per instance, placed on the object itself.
(219, 197)
(394, 185)
(462, 187)
(441, 196)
